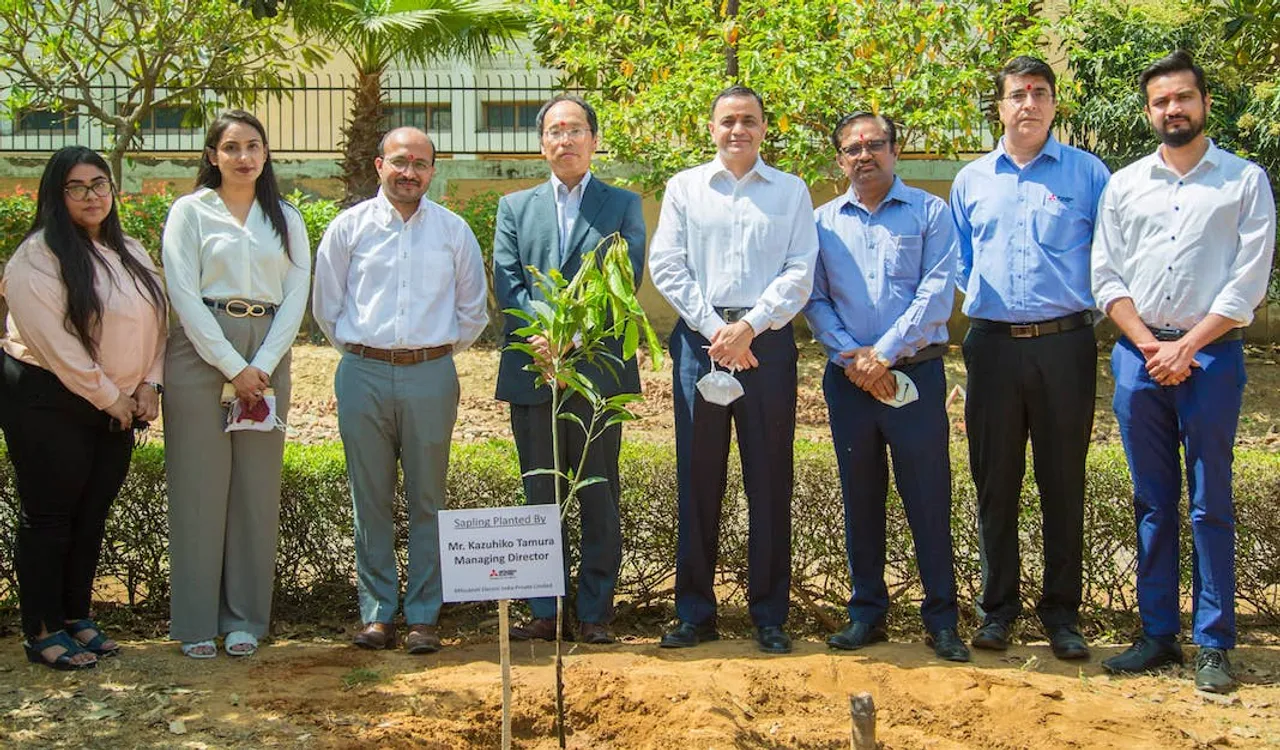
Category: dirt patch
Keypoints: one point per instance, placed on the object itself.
(318, 694)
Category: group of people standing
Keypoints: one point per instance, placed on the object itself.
(1038, 236)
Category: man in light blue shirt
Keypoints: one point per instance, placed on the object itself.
(1024, 216)
(882, 293)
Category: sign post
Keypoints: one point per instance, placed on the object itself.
(501, 554)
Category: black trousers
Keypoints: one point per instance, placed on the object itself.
(765, 418)
(1044, 388)
(601, 543)
(69, 466)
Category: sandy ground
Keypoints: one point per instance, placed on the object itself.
(319, 694)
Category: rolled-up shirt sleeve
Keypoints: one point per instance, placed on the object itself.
(1251, 269)
(1108, 242)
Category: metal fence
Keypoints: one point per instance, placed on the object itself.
(483, 112)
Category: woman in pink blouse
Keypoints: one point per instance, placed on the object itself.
(81, 366)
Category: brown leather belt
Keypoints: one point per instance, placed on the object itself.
(1033, 330)
(932, 351)
(400, 356)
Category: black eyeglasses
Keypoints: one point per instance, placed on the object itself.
(100, 188)
(871, 147)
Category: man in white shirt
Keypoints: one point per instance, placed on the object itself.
(734, 254)
(551, 226)
(400, 289)
(1181, 257)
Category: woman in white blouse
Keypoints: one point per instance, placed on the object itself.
(237, 263)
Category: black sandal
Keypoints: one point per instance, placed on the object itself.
(63, 661)
(95, 643)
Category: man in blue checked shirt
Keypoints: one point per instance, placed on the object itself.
(1024, 216)
(881, 297)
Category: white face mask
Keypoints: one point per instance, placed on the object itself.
(906, 393)
(719, 387)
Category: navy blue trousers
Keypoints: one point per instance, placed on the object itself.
(916, 436)
(1201, 414)
(765, 418)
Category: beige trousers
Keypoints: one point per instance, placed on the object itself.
(224, 492)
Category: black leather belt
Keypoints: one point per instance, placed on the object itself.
(241, 308)
(1173, 334)
(1033, 330)
(733, 314)
(932, 351)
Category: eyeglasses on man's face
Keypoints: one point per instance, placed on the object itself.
(556, 135)
(79, 192)
(1039, 96)
(871, 147)
(402, 164)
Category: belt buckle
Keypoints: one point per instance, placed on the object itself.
(1024, 331)
(244, 309)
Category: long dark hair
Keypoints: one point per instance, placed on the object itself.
(75, 249)
(265, 189)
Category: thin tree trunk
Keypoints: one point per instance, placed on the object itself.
(731, 47)
(360, 138)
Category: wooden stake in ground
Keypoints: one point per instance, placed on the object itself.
(862, 710)
(504, 651)
(559, 673)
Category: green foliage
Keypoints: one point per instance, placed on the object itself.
(315, 567)
(657, 64)
(317, 213)
(161, 53)
(17, 211)
(577, 318)
(480, 211)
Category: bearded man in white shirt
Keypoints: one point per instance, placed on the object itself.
(1181, 257)
(734, 254)
(399, 289)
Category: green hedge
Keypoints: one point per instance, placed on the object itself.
(315, 564)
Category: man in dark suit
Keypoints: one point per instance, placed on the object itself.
(552, 226)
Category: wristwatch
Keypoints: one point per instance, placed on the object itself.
(882, 359)
(159, 389)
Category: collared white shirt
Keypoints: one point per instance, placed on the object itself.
(568, 205)
(1183, 247)
(725, 242)
(208, 254)
(388, 283)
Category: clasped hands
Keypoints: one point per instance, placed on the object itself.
(142, 406)
(544, 355)
(1168, 362)
(731, 346)
(866, 371)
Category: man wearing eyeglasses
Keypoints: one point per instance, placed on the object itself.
(551, 226)
(734, 254)
(399, 290)
(882, 293)
(1024, 216)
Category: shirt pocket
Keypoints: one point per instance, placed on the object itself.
(903, 256)
(1060, 228)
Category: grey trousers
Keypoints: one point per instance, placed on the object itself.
(224, 492)
(389, 413)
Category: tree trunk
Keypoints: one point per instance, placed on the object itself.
(360, 135)
(731, 49)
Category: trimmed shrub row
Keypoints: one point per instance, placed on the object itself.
(315, 564)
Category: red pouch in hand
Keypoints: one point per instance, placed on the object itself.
(256, 412)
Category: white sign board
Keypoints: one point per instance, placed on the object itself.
(501, 553)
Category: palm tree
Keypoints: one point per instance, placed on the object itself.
(374, 33)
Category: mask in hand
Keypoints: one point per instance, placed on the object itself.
(719, 387)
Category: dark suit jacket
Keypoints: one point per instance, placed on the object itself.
(527, 234)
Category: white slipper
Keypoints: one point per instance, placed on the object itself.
(200, 649)
(240, 643)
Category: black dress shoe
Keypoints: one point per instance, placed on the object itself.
(1213, 671)
(773, 640)
(993, 636)
(1067, 643)
(1147, 654)
(687, 635)
(857, 635)
(947, 645)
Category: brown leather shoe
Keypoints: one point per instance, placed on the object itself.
(376, 635)
(541, 628)
(594, 633)
(422, 639)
